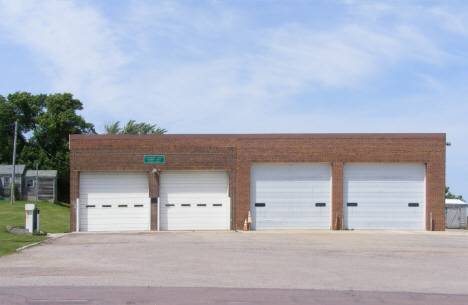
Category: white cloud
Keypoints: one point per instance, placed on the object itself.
(72, 43)
(189, 63)
(452, 20)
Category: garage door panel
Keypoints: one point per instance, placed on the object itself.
(198, 199)
(382, 193)
(384, 204)
(194, 195)
(300, 184)
(194, 200)
(296, 171)
(364, 186)
(285, 225)
(216, 205)
(108, 228)
(179, 179)
(103, 192)
(290, 192)
(115, 211)
(188, 211)
(185, 221)
(124, 222)
(114, 201)
(188, 227)
(204, 179)
(397, 173)
(376, 193)
(106, 222)
(391, 225)
(193, 189)
(113, 196)
(127, 219)
(294, 191)
(182, 174)
(186, 218)
(390, 197)
(394, 179)
(119, 191)
(395, 213)
(290, 205)
(282, 197)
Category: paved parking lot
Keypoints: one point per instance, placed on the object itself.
(386, 261)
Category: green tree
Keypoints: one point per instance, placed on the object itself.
(23, 108)
(47, 120)
(133, 128)
(449, 195)
(113, 128)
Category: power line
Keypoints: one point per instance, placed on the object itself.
(50, 154)
(36, 145)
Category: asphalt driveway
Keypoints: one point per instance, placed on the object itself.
(387, 261)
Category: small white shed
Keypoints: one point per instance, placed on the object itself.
(455, 214)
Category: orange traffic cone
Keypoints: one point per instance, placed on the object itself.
(245, 226)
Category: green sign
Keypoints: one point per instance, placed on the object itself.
(153, 159)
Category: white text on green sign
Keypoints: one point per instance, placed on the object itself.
(153, 159)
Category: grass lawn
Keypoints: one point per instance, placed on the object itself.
(53, 218)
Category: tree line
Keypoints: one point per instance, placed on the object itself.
(449, 195)
(44, 123)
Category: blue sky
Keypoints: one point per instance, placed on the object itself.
(250, 66)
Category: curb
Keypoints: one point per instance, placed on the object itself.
(40, 242)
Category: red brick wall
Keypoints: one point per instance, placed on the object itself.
(236, 153)
(337, 196)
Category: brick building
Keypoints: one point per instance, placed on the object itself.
(286, 181)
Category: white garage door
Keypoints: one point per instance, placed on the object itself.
(290, 196)
(384, 196)
(114, 201)
(194, 200)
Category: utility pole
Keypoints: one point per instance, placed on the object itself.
(37, 182)
(12, 192)
(36, 212)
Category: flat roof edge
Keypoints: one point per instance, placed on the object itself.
(261, 136)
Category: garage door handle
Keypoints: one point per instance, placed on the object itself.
(352, 204)
(259, 204)
(320, 204)
(413, 204)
